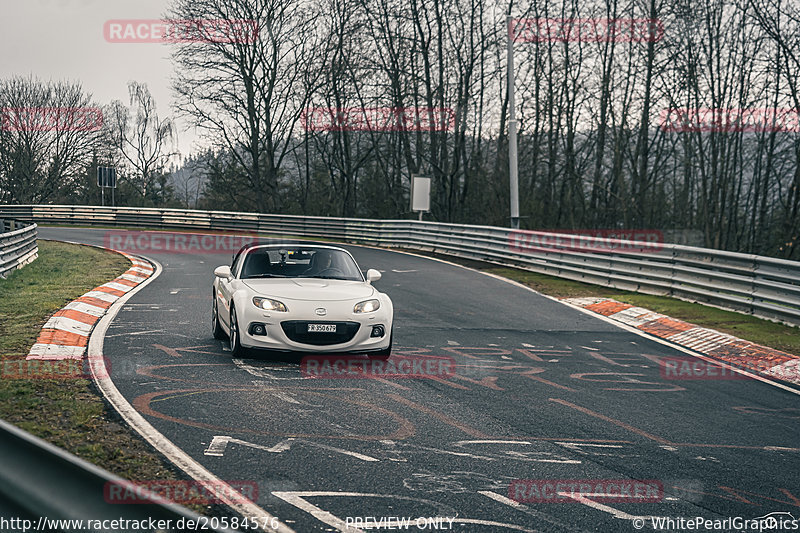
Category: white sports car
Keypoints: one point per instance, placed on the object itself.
(300, 298)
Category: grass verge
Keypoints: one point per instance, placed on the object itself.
(69, 413)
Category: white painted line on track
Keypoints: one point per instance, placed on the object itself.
(578, 444)
(462, 442)
(502, 499)
(220, 443)
(217, 446)
(340, 450)
(135, 420)
(297, 498)
(616, 513)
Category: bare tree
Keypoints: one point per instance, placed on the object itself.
(48, 132)
(143, 143)
(247, 91)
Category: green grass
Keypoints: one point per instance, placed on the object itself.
(66, 412)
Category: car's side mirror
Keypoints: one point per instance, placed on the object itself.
(223, 271)
(373, 275)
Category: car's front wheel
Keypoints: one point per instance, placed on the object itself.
(216, 327)
(386, 352)
(237, 350)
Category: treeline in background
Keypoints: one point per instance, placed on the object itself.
(592, 149)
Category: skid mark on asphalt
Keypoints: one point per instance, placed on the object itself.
(612, 421)
(661, 440)
(169, 351)
(404, 428)
(440, 416)
(269, 370)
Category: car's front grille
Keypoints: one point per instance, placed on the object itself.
(297, 331)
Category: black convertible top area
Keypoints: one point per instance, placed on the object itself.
(298, 260)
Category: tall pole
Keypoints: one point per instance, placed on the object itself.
(513, 173)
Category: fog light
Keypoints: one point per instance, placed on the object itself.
(377, 331)
(257, 329)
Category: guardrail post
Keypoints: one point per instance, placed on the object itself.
(672, 271)
(753, 278)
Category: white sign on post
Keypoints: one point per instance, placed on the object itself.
(420, 194)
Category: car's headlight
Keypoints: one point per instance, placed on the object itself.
(367, 306)
(269, 304)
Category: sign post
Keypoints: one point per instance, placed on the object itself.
(420, 194)
(106, 177)
(513, 176)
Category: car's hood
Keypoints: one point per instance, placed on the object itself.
(328, 290)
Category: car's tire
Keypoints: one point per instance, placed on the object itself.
(216, 327)
(386, 352)
(237, 350)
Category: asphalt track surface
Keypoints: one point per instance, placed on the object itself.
(541, 391)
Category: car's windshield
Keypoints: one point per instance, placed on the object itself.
(305, 262)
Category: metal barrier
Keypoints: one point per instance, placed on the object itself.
(18, 245)
(762, 286)
(42, 484)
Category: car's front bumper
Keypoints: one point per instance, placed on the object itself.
(276, 337)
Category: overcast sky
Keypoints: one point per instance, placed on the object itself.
(63, 39)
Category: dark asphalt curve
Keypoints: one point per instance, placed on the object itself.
(540, 391)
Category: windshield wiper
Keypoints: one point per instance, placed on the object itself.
(251, 276)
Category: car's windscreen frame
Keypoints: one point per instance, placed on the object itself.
(350, 271)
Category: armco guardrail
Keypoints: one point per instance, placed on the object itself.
(762, 286)
(42, 485)
(18, 245)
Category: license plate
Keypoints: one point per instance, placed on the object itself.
(322, 328)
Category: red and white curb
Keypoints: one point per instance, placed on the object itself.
(66, 334)
(708, 342)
